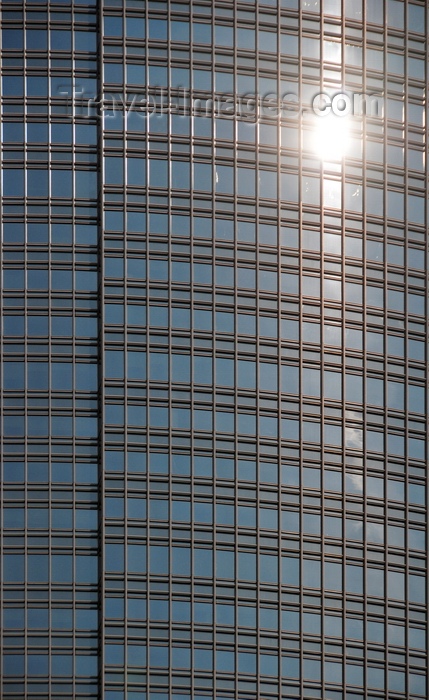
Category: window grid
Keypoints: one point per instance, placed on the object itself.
(252, 495)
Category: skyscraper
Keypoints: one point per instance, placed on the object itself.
(214, 350)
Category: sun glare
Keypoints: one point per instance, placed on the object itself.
(331, 138)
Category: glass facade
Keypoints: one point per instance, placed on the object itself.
(214, 352)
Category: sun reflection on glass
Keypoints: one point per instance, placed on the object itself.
(331, 138)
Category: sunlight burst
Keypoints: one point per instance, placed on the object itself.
(331, 138)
